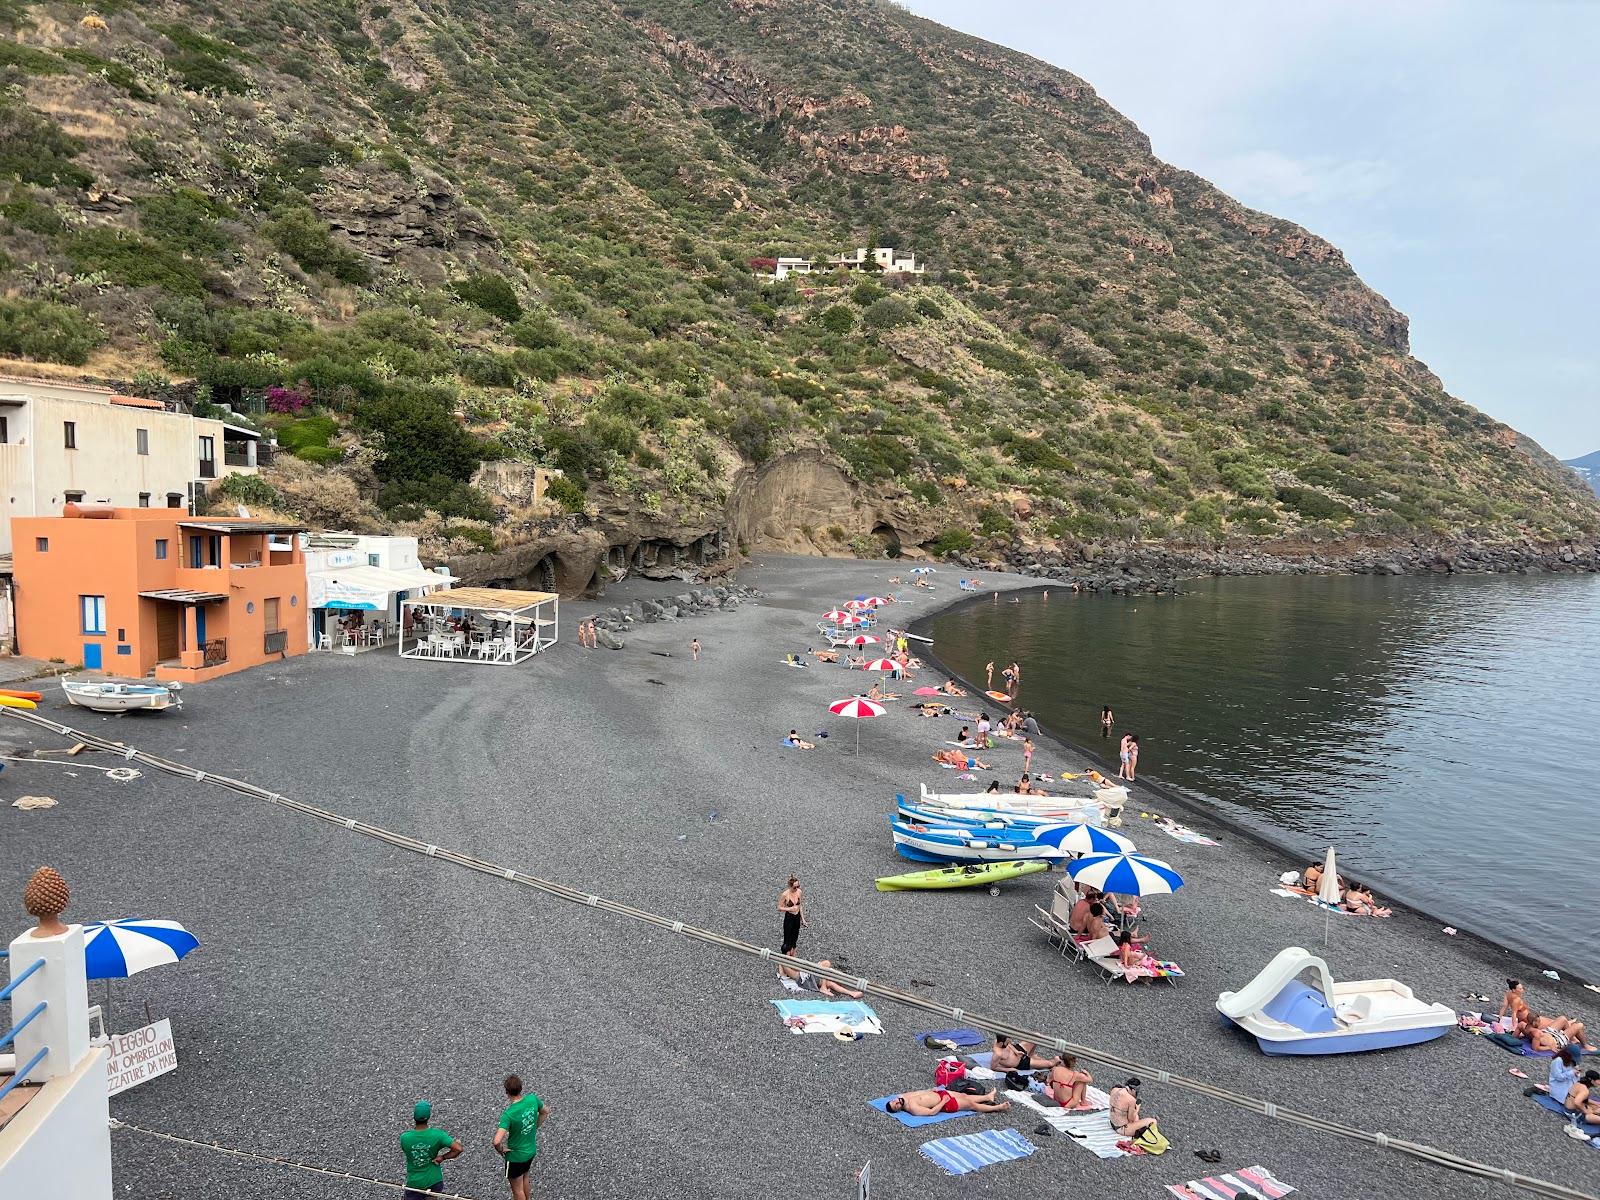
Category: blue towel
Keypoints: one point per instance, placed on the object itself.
(851, 1012)
(1547, 1102)
(959, 1155)
(882, 1105)
(961, 1037)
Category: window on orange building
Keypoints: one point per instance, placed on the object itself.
(94, 613)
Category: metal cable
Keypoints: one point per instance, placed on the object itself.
(1266, 1108)
(277, 1162)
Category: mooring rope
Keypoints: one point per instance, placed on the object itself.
(277, 1162)
(1266, 1108)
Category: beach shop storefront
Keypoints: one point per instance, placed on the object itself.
(356, 586)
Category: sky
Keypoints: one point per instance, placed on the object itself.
(1451, 149)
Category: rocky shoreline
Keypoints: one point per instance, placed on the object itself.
(1134, 568)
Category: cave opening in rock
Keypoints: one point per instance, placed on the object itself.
(889, 538)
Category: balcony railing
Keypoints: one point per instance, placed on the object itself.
(216, 651)
(276, 641)
(10, 1037)
(208, 468)
(236, 458)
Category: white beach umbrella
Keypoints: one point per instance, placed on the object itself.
(1328, 892)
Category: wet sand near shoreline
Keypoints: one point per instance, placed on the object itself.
(340, 980)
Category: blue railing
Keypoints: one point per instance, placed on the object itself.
(5, 994)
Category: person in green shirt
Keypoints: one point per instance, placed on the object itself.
(517, 1137)
(424, 1149)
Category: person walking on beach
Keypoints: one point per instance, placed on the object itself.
(1106, 720)
(424, 1149)
(792, 905)
(1027, 755)
(694, 649)
(516, 1138)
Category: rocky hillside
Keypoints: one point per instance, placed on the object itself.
(434, 243)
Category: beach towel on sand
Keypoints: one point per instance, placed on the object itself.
(1551, 1105)
(826, 1016)
(911, 1122)
(970, 1152)
(961, 1037)
(1256, 1180)
(1091, 1130)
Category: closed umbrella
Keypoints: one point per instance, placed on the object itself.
(1078, 838)
(118, 949)
(1328, 892)
(1125, 874)
(857, 708)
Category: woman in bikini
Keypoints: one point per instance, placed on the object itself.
(1068, 1085)
(792, 905)
(1125, 1118)
(1106, 720)
(933, 1101)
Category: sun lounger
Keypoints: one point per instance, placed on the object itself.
(1054, 921)
(1113, 968)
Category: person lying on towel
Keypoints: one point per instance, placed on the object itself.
(955, 758)
(1009, 1055)
(933, 1101)
(951, 688)
(794, 743)
(805, 981)
(827, 656)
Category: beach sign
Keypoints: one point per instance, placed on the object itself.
(139, 1055)
(864, 1181)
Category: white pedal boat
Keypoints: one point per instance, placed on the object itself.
(1090, 808)
(122, 695)
(1288, 1016)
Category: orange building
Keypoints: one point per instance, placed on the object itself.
(134, 590)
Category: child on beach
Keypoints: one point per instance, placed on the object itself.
(794, 743)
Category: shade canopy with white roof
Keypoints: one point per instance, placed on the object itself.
(477, 624)
(366, 588)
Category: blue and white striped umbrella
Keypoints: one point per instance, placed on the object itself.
(923, 570)
(1078, 838)
(118, 949)
(1125, 874)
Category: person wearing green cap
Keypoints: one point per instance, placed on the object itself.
(516, 1139)
(424, 1149)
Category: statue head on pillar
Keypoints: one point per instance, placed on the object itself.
(46, 898)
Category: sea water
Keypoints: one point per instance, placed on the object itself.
(1440, 732)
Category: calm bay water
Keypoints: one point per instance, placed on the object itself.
(1440, 732)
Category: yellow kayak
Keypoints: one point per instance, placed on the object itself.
(16, 702)
(990, 875)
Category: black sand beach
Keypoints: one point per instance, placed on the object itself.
(340, 980)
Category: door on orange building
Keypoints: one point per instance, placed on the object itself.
(169, 628)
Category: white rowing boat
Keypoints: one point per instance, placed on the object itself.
(122, 695)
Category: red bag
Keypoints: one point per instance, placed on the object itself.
(948, 1071)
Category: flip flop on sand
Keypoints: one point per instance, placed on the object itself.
(1518, 1072)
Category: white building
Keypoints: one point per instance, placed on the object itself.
(883, 258)
(355, 579)
(64, 443)
(791, 266)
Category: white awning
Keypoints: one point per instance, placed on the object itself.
(363, 587)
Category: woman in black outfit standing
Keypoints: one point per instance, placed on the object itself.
(791, 905)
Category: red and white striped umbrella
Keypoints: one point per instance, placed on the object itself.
(873, 601)
(857, 708)
(839, 617)
(881, 664)
(861, 639)
(856, 604)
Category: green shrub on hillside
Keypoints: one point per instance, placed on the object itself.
(837, 319)
(184, 218)
(47, 332)
(421, 438)
(306, 238)
(954, 540)
(443, 495)
(1312, 505)
(250, 489)
(34, 149)
(136, 261)
(308, 438)
(490, 293)
(565, 492)
(117, 74)
(1246, 479)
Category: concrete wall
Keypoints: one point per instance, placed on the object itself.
(59, 1146)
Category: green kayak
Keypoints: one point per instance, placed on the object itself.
(971, 875)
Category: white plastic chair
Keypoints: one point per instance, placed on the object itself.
(324, 640)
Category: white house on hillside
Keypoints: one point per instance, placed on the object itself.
(884, 258)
